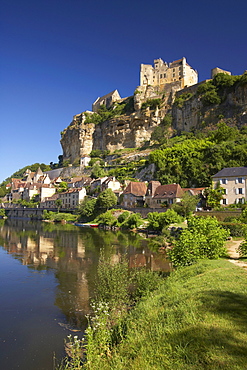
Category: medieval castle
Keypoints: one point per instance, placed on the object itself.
(161, 81)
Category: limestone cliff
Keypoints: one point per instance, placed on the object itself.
(193, 113)
(125, 131)
(77, 139)
(190, 111)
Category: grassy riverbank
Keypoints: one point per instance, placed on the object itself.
(197, 319)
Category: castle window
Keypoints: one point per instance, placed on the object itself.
(160, 76)
(173, 75)
(164, 75)
(173, 70)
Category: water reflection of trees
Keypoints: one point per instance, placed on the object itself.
(73, 253)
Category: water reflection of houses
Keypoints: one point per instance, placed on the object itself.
(145, 258)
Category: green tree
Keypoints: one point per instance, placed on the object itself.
(87, 209)
(58, 203)
(187, 205)
(224, 133)
(203, 238)
(106, 200)
(214, 196)
(97, 171)
(63, 186)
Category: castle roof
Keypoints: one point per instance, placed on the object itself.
(106, 96)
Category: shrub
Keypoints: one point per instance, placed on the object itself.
(152, 104)
(157, 221)
(235, 228)
(204, 238)
(242, 249)
(123, 217)
(106, 218)
(133, 221)
(211, 97)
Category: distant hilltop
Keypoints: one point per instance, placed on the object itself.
(165, 88)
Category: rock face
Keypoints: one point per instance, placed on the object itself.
(132, 130)
(126, 131)
(193, 114)
(77, 139)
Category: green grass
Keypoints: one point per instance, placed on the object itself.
(196, 320)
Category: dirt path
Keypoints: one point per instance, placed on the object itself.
(232, 245)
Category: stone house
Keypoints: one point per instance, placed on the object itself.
(96, 184)
(42, 190)
(111, 183)
(233, 180)
(201, 197)
(106, 100)
(50, 202)
(134, 194)
(72, 198)
(84, 161)
(160, 196)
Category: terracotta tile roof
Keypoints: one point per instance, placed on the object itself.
(37, 185)
(169, 191)
(195, 191)
(179, 61)
(71, 190)
(75, 179)
(136, 188)
(53, 197)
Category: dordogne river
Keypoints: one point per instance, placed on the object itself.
(47, 276)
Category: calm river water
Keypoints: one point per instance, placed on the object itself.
(46, 278)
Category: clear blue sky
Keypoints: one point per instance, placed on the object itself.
(58, 56)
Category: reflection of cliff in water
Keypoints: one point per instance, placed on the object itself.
(72, 254)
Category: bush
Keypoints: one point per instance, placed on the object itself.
(157, 221)
(204, 238)
(152, 104)
(123, 217)
(242, 249)
(133, 221)
(211, 97)
(58, 217)
(235, 228)
(106, 218)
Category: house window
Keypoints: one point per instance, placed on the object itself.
(224, 201)
(239, 180)
(223, 181)
(158, 201)
(239, 190)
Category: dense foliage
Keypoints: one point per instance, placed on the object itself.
(204, 238)
(157, 221)
(117, 109)
(190, 160)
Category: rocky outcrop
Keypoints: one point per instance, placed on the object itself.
(194, 114)
(189, 112)
(126, 131)
(77, 139)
